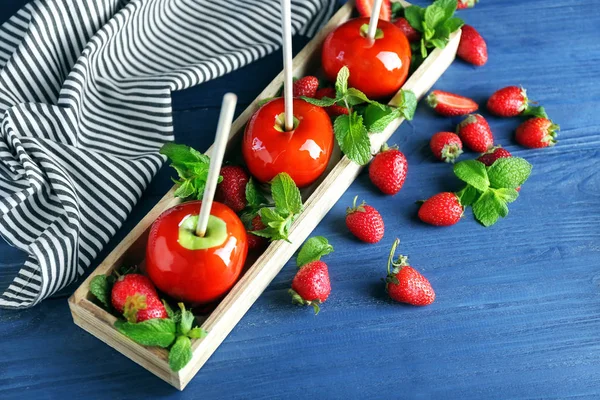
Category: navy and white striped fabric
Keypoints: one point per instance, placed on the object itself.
(85, 103)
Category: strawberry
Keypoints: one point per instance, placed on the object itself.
(232, 189)
(256, 242)
(306, 86)
(335, 109)
(443, 209)
(472, 47)
(446, 146)
(476, 133)
(364, 222)
(508, 102)
(135, 297)
(364, 8)
(311, 285)
(462, 4)
(388, 170)
(405, 284)
(411, 33)
(536, 133)
(494, 154)
(450, 104)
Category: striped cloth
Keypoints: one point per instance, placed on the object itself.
(85, 96)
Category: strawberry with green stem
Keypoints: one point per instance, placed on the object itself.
(537, 133)
(446, 146)
(364, 222)
(512, 101)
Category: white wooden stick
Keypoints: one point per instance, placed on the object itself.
(216, 160)
(374, 19)
(288, 95)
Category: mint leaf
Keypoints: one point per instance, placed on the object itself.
(192, 168)
(355, 96)
(453, 24)
(376, 119)
(168, 309)
(447, 6)
(434, 15)
(509, 172)
(486, 209)
(197, 333)
(506, 195)
(286, 194)
(535, 111)
(186, 189)
(467, 196)
(312, 250)
(415, 15)
(353, 138)
(397, 10)
(409, 104)
(277, 226)
(153, 332)
(254, 196)
(439, 43)
(322, 102)
(474, 173)
(180, 354)
(100, 288)
(186, 321)
(180, 154)
(341, 83)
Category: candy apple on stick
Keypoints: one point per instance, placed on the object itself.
(196, 250)
(286, 134)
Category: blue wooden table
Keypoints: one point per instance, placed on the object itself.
(517, 313)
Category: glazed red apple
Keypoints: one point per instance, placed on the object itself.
(377, 67)
(196, 269)
(303, 153)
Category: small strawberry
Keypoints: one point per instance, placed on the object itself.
(364, 8)
(335, 109)
(405, 284)
(388, 170)
(450, 104)
(494, 154)
(462, 4)
(135, 297)
(232, 189)
(411, 33)
(256, 242)
(446, 146)
(443, 209)
(536, 133)
(306, 86)
(472, 47)
(508, 102)
(476, 133)
(364, 222)
(311, 285)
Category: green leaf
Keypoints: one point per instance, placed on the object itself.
(185, 189)
(486, 209)
(353, 138)
(506, 195)
(453, 24)
(509, 172)
(409, 104)
(341, 83)
(313, 249)
(187, 319)
(439, 43)
(474, 173)
(192, 168)
(423, 48)
(197, 333)
(286, 194)
(153, 332)
(468, 195)
(355, 96)
(322, 102)
(415, 15)
(397, 10)
(535, 111)
(181, 154)
(376, 119)
(277, 226)
(447, 6)
(254, 196)
(180, 354)
(434, 15)
(100, 288)
(168, 309)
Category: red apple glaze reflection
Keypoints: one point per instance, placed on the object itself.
(378, 68)
(302, 153)
(195, 276)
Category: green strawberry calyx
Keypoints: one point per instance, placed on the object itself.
(297, 299)
(355, 208)
(451, 152)
(394, 267)
(551, 133)
(470, 119)
(133, 304)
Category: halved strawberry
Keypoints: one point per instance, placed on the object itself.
(450, 104)
(365, 7)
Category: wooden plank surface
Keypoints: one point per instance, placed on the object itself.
(517, 308)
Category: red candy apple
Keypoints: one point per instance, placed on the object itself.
(377, 67)
(303, 153)
(191, 268)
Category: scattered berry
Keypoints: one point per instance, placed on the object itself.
(388, 170)
(476, 133)
(472, 47)
(446, 146)
(411, 33)
(466, 4)
(311, 285)
(364, 8)
(364, 222)
(232, 189)
(494, 154)
(450, 104)
(405, 284)
(306, 86)
(134, 296)
(443, 209)
(256, 242)
(508, 102)
(536, 133)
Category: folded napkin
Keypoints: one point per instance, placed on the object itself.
(85, 96)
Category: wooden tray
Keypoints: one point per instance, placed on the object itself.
(319, 198)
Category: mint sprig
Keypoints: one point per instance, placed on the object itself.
(312, 250)
(101, 287)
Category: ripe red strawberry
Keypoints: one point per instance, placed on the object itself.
(446, 146)
(405, 284)
(450, 104)
(388, 170)
(472, 47)
(443, 209)
(508, 102)
(536, 133)
(411, 33)
(494, 154)
(311, 285)
(364, 8)
(135, 297)
(364, 222)
(466, 4)
(333, 110)
(232, 190)
(306, 86)
(476, 133)
(256, 242)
